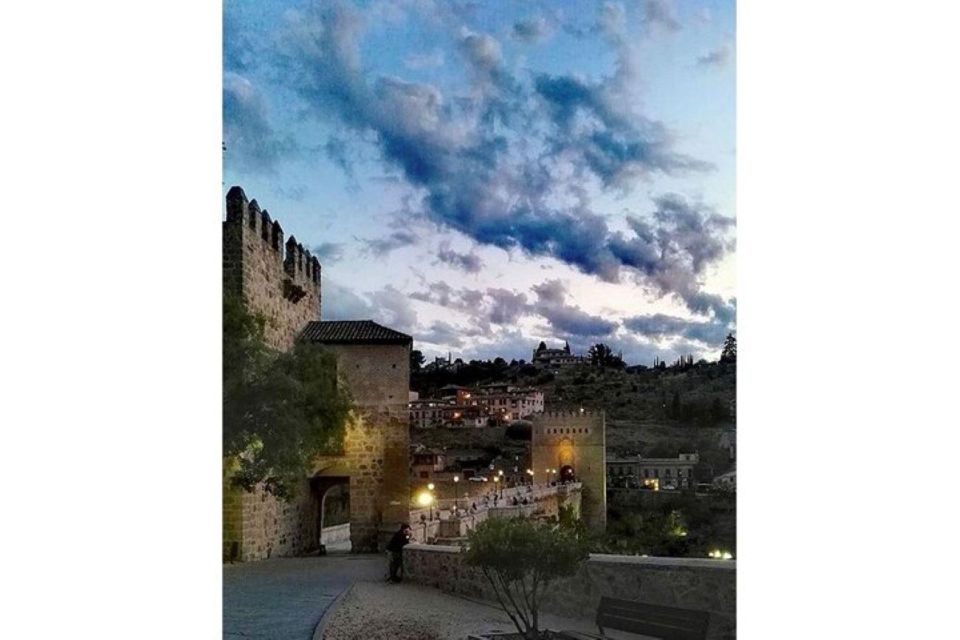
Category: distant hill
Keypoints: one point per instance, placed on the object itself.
(650, 411)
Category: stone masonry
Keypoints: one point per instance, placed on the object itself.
(689, 583)
(574, 441)
(280, 281)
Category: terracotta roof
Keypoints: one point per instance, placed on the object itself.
(352, 332)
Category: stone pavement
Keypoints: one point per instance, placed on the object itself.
(284, 598)
(383, 611)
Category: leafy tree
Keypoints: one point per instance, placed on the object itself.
(280, 410)
(599, 354)
(416, 360)
(519, 558)
(729, 353)
(542, 346)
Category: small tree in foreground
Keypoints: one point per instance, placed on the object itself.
(519, 557)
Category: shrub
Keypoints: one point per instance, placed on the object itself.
(519, 557)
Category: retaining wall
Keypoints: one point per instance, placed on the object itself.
(690, 583)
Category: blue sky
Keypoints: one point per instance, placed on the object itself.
(486, 175)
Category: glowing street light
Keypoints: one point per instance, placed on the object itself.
(456, 494)
(424, 499)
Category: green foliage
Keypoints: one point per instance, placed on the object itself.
(519, 557)
(416, 360)
(729, 352)
(280, 410)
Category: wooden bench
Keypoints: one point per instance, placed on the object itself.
(668, 623)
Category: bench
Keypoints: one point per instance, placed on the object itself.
(668, 623)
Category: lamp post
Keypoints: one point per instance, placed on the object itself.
(430, 487)
(456, 493)
(496, 484)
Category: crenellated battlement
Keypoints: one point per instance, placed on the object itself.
(569, 415)
(278, 279)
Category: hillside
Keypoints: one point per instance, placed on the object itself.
(653, 412)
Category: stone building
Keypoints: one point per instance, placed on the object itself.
(543, 356)
(653, 473)
(281, 282)
(571, 445)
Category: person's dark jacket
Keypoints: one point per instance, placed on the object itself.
(399, 540)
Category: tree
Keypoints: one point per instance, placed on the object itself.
(280, 410)
(729, 353)
(600, 354)
(416, 360)
(542, 346)
(519, 558)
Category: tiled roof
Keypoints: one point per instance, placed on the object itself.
(352, 332)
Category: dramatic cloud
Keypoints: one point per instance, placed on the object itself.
(659, 326)
(328, 252)
(716, 59)
(442, 333)
(531, 30)
(249, 139)
(469, 262)
(506, 307)
(498, 164)
(568, 319)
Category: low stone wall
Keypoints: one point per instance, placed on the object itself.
(338, 533)
(690, 583)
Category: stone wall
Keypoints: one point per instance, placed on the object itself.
(576, 439)
(339, 533)
(277, 280)
(689, 583)
(273, 527)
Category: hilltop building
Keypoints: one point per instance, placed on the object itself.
(545, 357)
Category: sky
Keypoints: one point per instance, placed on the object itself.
(487, 175)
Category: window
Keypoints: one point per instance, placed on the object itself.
(424, 474)
(656, 473)
(646, 473)
(668, 473)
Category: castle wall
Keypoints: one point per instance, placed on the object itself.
(377, 447)
(278, 280)
(577, 439)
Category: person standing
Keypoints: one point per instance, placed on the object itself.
(399, 540)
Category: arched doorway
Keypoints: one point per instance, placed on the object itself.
(567, 474)
(331, 496)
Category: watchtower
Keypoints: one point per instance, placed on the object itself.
(571, 445)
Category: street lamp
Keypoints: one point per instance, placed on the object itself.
(496, 483)
(456, 494)
(430, 487)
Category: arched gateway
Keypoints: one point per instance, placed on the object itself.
(280, 281)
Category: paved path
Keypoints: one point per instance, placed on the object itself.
(284, 598)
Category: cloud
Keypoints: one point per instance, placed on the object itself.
(392, 307)
(568, 319)
(659, 326)
(328, 252)
(468, 262)
(442, 333)
(343, 303)
(716, 59)
(396, 240)
(661, 14)
(337, 151)
(250, 141)
(506, 307)
(430, 60)
(531, 30)
(498, 164)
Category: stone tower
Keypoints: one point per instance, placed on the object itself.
(276, 279)
(280, 281)
(573, 443)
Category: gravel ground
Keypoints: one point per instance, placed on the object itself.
(382, 611)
